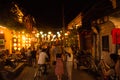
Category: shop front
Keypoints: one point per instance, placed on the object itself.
(5, 39)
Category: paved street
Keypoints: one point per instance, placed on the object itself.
(28, 74)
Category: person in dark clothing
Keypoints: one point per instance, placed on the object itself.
(23, 52)
(48, 52)
(33, 57)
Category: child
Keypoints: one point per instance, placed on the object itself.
(59, 66)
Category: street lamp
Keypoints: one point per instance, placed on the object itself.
(41, 32)
(49, 33)
(45, 34)
(66, 34)
(58, 32)
(42, 36)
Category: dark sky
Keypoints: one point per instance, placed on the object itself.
(49, 12)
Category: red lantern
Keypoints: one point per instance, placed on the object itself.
(116, 36)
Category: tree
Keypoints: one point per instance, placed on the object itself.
(72, 37)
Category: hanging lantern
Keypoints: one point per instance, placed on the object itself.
(116, 36)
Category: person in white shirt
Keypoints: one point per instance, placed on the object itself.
(69, 62)
(42, 62)
(42, 57)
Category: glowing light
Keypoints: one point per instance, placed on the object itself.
(66, 34)
(51, 39)
(18, 44)
(26, 44)
(33, 32)
(19, 49)
(2, 27)
(42, 36)
(37, 35)
(23, 32)
(45, 34)
(15, 44)
(23, 41)
(29, 39)
(14, 40)
(29, 44)
(1, 32)
(15, 48)
(18, 36)
(14, 35)
(48, 36)
(58, 32)
(26, 35)
(59, 35)
(20, 19)
(41, 32)
(49, 32)
(54, 36)
(23, 38)
(23, 45)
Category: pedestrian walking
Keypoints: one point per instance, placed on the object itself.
(59, 69)
(52, 55)
(42, 61)
(57, 49)
(33, 56)
(69, 61)
(28, 53)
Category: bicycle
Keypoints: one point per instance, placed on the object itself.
(39, 74)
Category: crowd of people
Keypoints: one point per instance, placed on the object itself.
(62, 59)
(58, 57)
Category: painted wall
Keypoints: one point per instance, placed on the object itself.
(106, 29)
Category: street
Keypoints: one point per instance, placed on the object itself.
(28, 74)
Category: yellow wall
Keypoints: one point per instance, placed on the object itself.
(8, 38)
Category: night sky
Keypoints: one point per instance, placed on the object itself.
(49, 12)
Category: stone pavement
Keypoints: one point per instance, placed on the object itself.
(28, 74)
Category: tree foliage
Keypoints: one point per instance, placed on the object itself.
(72, 37)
